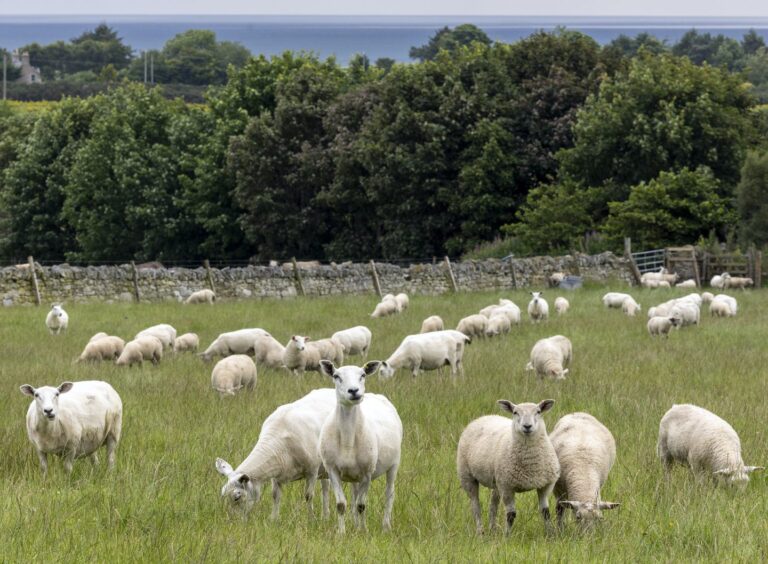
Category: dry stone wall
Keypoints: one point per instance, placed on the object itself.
(115, 283)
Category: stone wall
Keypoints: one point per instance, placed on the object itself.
(115, 283)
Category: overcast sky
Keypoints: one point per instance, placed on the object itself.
(732, 8)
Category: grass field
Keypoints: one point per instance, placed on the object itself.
(162, 501)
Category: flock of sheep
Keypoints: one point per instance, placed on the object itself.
(344, 434)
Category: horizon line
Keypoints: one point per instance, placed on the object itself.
(237, 14)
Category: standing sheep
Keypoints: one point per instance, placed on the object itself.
(432, 323)
(509, 458)
(630, 307)
(356, 340)
(555, 279)
(141, 349)
(57, 319)
(98, 336)
(187, 342)
(551, 356)
(233, 373)
(473, 325)
(615, 299)
(538, 308)
(233, 342)
(498, 324)
(268, 351)
(201, 297)
(561, 305)
(105, 348)
(166, 333)
(738, 282)
(74, 420)
(428, 351)
(719, 280)
(385, 308)
(707, 297)
(730, 303)
(662, 325)
(402, 301)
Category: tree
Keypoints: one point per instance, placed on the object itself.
(625, 46)
(449, 40)
(716, 50)
(752, 199)
(752, 42)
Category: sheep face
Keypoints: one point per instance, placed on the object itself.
(57, 310)
(47, 398)
(587, 512)
(535, 297)
(240, 493)
(300, 342)
(738, 477)
(349, 380)
(526, 417)
(386, 371)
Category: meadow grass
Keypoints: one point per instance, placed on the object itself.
(162, 501)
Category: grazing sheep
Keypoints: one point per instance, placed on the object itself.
(498, 324)
(428, 351)
(360, 441)
(630, 307)
(510, 311)
(687, 312)
(730, 301)
(690, 283)
(286, 451)
(385, 308)
(551, 356)
(561, 305)
(356, 340)
(649, 278)
(166, 333)
(720, 308)
(473, 325)
(74, 420)
(555, 279)
(719, 280)
(615, 299)
(707, 444)
(402, 302)
(586, 451)
(330, 349)
(57, 319)
(432, 323)
(233, 373)
(141, 349)
(268, 351)
(234, 342)
(662, 310)
(98, 336)
(201, 297)
(509, 458)
(654, 284)
(662, 325)
(187, 342)
(706, 297)
(105, 348)
(302, 354)
(538, 308)
(487, 311)
(738, 282)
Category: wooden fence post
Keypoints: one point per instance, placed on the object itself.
(297, 277)
(696, 274)
(375, 275)
(628, 255)
(135, 276)
(451, 277)
(512, 272)
(33, 273)
(208, 275)
(758, 262)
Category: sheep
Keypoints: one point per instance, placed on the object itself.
(649, 278)
(662, 325)
(561, 305)
(510, 311)
(728, 300)
(74, 420)
(286, 451)
(615, 299)
(707, 444)
(653, 284)
(187, 342)
(694, 298)
(662, 310)
(268, 351)
(487, 311)
(432, 323)
(738, 282)
(473, 325)
(234, 342)
(360, 441)
(166, 333)
(428, 351)
(551, 356)
(690, 283)
(302, 354)
(98, 336)
(402, 301)
(233, 373)
(498, 324)
(630, 307)
(586, 451)
(538, 308)
(356, 340)
(57, 319)
(201, 297)
(555, 279)
(719, 280)
(687, 312)
(385, 308)
(104, 348)
(706, 297)
(508, 459)
(141, 349)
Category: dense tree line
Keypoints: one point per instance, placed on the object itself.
(553, 140)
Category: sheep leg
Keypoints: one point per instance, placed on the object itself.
(309, 492)
(560, 510)
(355, 493)
(493, 509)
(544, 494)
(94, 459)
(508, 498)
(389, 498)
(111, 446)
(472, 487)
(361, 501)
(341, 501)
(43, 461)
(69, 460)
(325, 485)
(277, 493)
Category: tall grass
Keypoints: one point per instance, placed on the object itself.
(162, 501)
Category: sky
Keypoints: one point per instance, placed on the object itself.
(701, 8)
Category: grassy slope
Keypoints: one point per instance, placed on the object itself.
(162, 501)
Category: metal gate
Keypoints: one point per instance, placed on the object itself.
(650, 261)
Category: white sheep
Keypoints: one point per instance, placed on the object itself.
(233, 342)
(707, 444)
(693, 297)
(233, 373)
(104, 348)
(488, 310)
(498, 324)
(706, 297)
(402, 301)
(385, 308)
(510, 310)
(662, 325)
(630, 307)
(57, 319)
(286, 451)
(719, 280)
(561, 305)
(555, 279)
(141, 349)
(687, 312)
(303, 354)
(473, 325)
(730, 301)
(187, 342)
(74, 420)
(268, 351)
(586, 451)
(738, 282)
(509, 458)
(201, 297)
(690, 283)
(356, 340)
(428, 351)
(551, 356)
(166, 333)
(432, 323)
(649, 278)
(615, 299)
(98, 336)
(360, 441)
(538, 308)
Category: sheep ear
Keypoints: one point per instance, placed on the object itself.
(327, 368)
(750, 469)
(371, 367)
(607, 505)
(506, 405)
(243, 479)
(307, 339)
(28, 390)
(546, 405)
(223, 467)
(65, 387)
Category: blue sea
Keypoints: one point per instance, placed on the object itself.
(344, 36)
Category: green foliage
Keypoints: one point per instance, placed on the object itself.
(451, 40)
(752, 199)
(11, 72)
(625, 46)
(703, 48)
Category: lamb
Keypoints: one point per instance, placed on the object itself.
(473, 325)
(402, 302)
(615, 299)
(201, 297)
(302, 354)
(690, 283)
(662, 325)
(561, 305)
(555, 279)
(74, 420)
(268, 352)
(498, 324)
(738, 282)
(551, 356)
(141, 349)
(687, 312)
(706, 297)
(104, 348)
(360, 441)
(57, 319)
(286, 451)
(187, 342)
(719, 280)
(538, 308)
(234, 342)
(432, 323)
(707, 444)
(630, 307)
(166, 333)
(356, 340)
(508, 459)
(728, 300)
(428, 351)
(586, 451)
(233, 373)
(385, 307)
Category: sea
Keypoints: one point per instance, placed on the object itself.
(345, 36)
